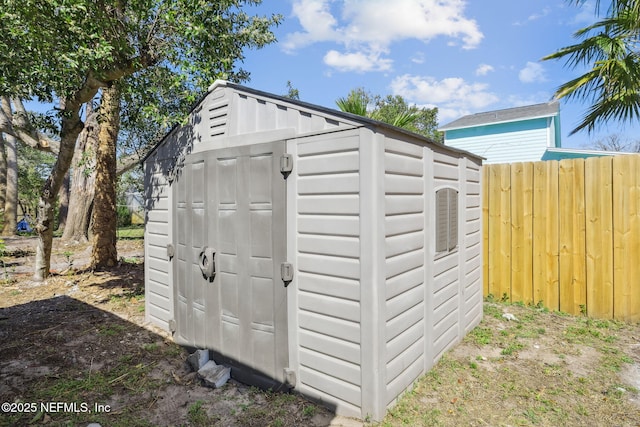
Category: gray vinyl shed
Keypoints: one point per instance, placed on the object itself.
(311, 248)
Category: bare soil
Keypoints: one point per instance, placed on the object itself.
(80, 338)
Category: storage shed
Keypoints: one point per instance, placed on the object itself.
(310, 248)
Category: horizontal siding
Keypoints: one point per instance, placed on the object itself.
(158, 292)
(327, 204)
(445, 292)
(500, 146)
(404, 191)
(472, 257)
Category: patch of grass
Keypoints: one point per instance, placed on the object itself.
(309, 411)
(536, 388)
(197, 415)
(481, 336)
(110, 329)
(130, 233)
(492, 310)
(150, 346)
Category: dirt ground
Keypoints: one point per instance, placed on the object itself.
(78, 343)
(80, 339)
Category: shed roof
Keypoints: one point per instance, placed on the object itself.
(365, 121)
(547, 109)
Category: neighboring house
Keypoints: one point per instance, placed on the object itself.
(520, 134)
(135, 204)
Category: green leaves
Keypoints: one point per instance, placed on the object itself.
(393, 110)
(610, 49)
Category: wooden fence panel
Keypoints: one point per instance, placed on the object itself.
(626, 244)
(545, 234)
(499, 261)
(522, 232)
(566, 234)
(573, 290)
(599, 237)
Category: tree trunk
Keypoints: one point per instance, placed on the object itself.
(3, 173)
(11, 195)
(71, 128)
(104, 252)
(83, 178)
(63, 198)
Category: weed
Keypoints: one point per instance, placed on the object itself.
(492, 311)
(481, 336)
(512, 348)
(110, 330)
(309, 411)
(150, 346)
(68, 255)
(197, 414)
(505, 297)
(581, 410)
(531, 415)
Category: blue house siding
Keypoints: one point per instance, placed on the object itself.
(518, 141)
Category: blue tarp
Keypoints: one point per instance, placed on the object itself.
(23, 225)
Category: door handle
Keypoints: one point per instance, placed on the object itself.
(207, 262)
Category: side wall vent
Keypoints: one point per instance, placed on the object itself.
(218, 119)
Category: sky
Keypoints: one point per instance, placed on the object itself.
(463, 57)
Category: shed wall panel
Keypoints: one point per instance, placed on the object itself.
(404, 192)
(324, 198)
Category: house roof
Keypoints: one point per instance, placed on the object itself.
(336, 113)
(547, 109)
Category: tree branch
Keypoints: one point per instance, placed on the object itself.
(19, 126)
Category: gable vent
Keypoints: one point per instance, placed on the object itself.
(218, 119)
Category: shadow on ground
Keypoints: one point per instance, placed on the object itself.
(75, 343)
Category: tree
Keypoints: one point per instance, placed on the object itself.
(33, 168)
(71, 50)
(609, 49)
(11, 183)
(83, 179)
(104, 253)
(615, 142)
(393, 110)
(292, 92)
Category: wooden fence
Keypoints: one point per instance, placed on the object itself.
(565, 234)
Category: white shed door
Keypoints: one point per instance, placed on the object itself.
(230, 206)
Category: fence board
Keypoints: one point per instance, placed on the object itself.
(499, 262)
(545, 232)
(599, 237)
(572, 262)
(522, 232)
(626, 244)
(565, 233)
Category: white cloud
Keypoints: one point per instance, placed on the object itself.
(483, 69)
(453, 96)
(452, 91)
(533, 72)
(369, 27)
(534, 17)
(418, 58)
(358, 61)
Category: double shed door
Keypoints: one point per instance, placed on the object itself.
(230, 206)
